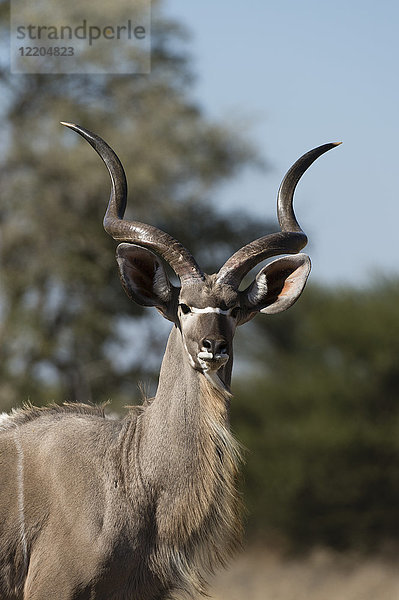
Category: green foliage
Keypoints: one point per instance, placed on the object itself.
(319, 414)
(321, 419)
(62, 307)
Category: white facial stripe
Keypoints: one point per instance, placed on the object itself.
(210, 309)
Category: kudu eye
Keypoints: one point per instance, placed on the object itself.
(185, 309)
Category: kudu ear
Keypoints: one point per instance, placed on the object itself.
(144, 278)
(278, 285)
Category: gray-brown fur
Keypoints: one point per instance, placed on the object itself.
(121, 509)
(145, 507)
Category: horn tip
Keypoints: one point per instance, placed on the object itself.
(337, 143)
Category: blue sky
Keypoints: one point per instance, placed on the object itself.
(295, 75)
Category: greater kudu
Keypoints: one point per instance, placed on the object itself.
(145, 507)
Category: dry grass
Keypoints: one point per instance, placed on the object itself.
(323, 575)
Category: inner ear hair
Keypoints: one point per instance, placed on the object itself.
(279, 284)
(143, 276)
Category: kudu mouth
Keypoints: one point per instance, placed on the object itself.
(212, 362)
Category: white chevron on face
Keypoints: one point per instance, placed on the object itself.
(210, 309)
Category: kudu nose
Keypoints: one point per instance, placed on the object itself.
(215, 347)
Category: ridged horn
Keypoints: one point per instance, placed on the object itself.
(172, 251)
(290, 240)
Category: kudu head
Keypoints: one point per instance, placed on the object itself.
(207, 308)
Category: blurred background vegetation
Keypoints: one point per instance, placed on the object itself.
(315, 388)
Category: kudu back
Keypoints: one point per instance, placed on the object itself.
(145, 507)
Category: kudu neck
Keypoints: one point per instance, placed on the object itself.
(176, 422)
(188, 462)
(185, 412)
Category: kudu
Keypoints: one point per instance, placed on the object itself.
(145, 507)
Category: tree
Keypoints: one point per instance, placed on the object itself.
(63, 313)
(321, 415)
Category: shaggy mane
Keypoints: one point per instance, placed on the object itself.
(202, 535)
(28, 412)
